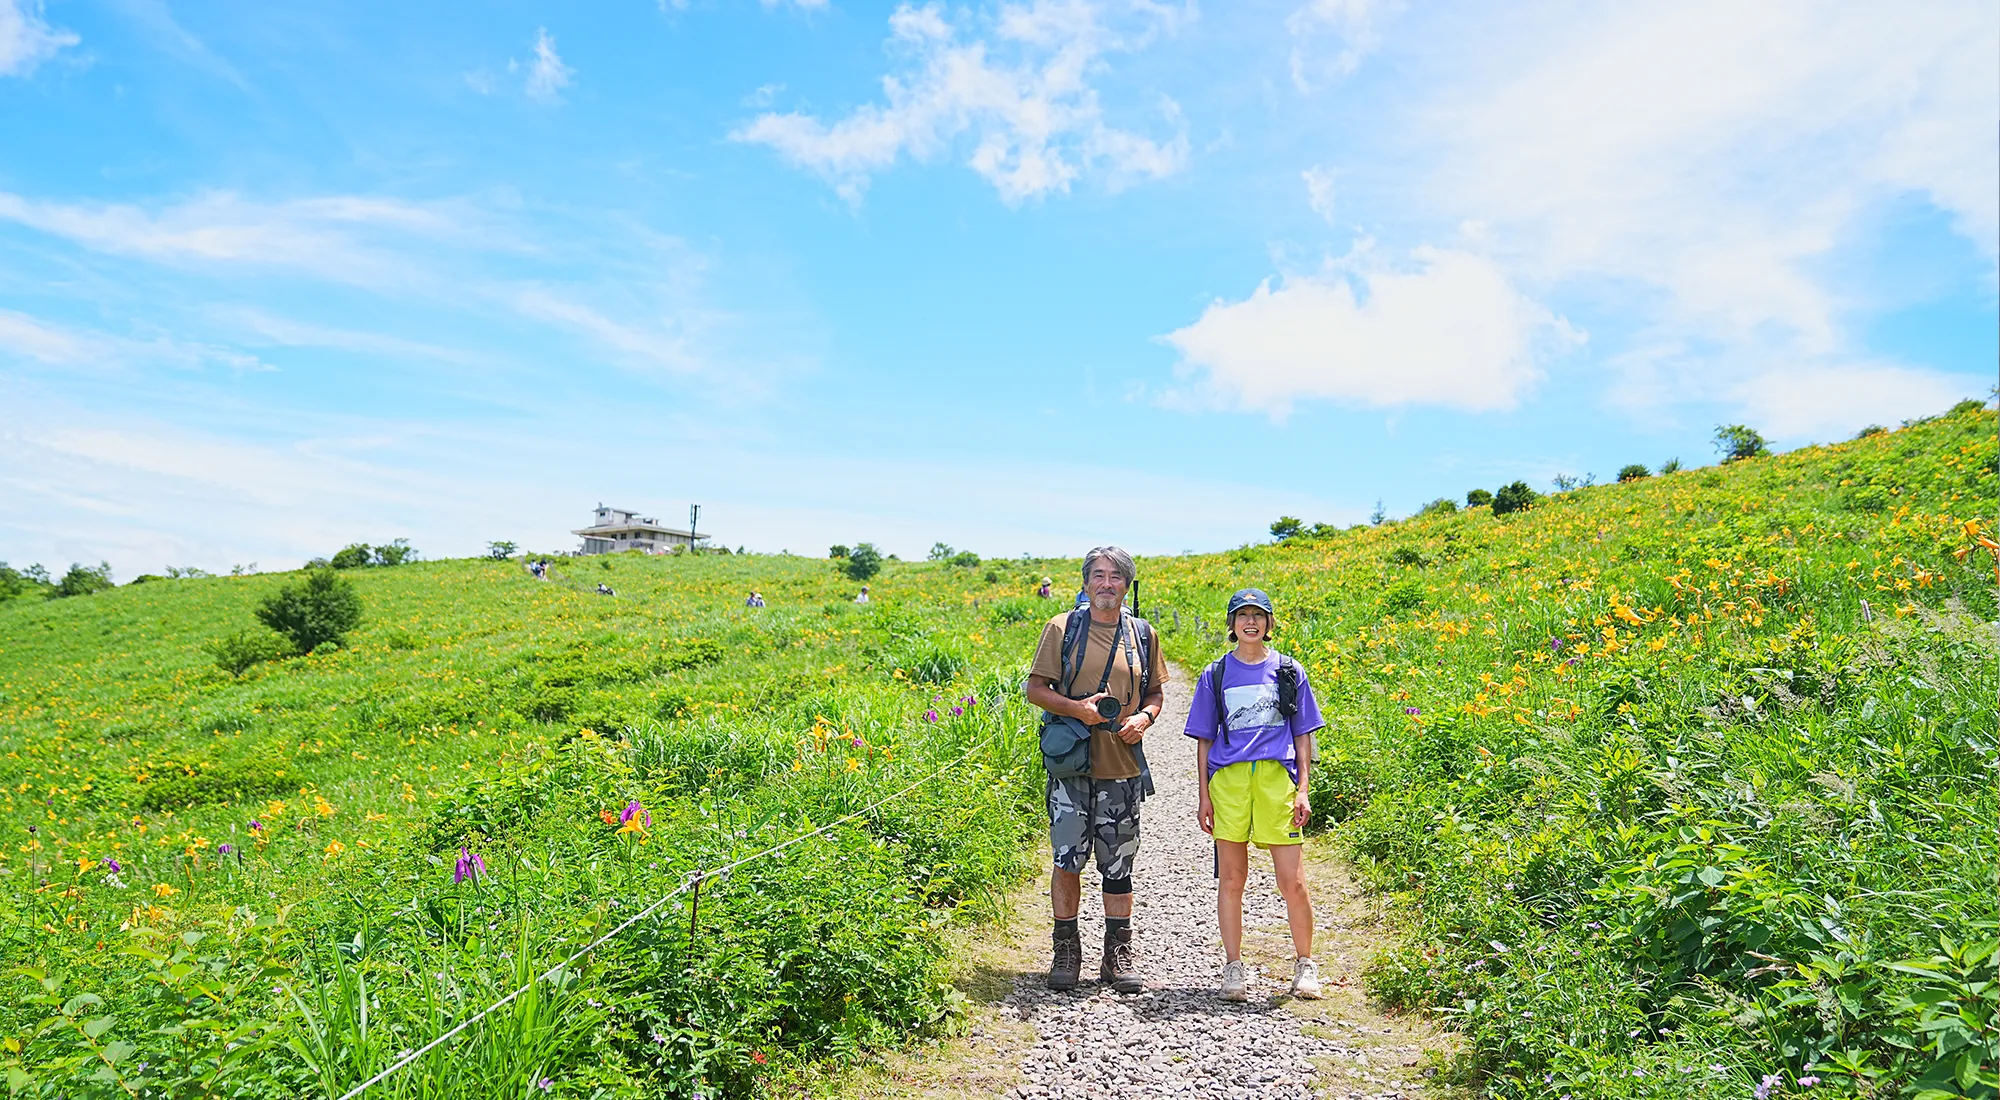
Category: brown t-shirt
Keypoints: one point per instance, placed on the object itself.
(1110, 758)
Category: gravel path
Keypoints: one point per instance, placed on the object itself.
(1176, 1039)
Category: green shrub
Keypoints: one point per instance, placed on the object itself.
(1442, 506)
(964, 558)
(1019, 609)
(1634, 472)
(1409, 555)
(15, 583)
(1670, 466)
(205, 782)
(1737, 442)
(236, 653)
(863, 562)
(1514, 497)
(1872, 429)
(1478, 498)
(1404, 595)
(1969, 405)
(1287, 527)
(319, 611)
(836, 551)
(352, 556)
(80, 581)
(396, 552)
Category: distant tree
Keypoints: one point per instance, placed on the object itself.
(1323, 530)
(80, 581)
(1872, 429)
(353, 556)
(1670, 466)
(395, 553)
(16, 583)
(178, 572)
(1564, 483)
(863, 562)
(243, 570)
(941, 551)
(500, 549)
(1442, 506)
(1478, 498)
(1738, 442)
(1287, 527)
(318, 611)
(836, 551)
(1516, 497)
(1633, 472)
(1378, 515)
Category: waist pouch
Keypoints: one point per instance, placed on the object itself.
(1065, 747)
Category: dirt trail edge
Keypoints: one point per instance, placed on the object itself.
(1176, 1039)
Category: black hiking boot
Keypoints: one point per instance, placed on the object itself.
(1120, 968)
(1067, 968)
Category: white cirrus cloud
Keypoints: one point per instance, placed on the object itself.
(332, 236)
(26, 40)
(1330, 37)
(547, 75)
(1021, 93)
(23, 337)
(1451, 331)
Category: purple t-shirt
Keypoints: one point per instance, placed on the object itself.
(1256, 730)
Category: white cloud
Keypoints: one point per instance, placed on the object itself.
(1021, 93)
(30, 338)
(547, 75)
(328, 236)
(1319, 191)
(26, 40)
(1452, 331)
(654, 347)
(1351, 27)
(1832, 402)
(22, 335)
(1712, 150)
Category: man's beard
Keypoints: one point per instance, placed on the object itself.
(1106, 601)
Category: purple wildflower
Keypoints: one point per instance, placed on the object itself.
(956, 711)
(225, 848)
(1412, 710)
(1808, 1082)
(1574, 661)
(546, 1083)
(256, 824)
(112, 865)
(1771, 1081)
(931, 715)
(470, 866)
(1555, 645)
(634, 809)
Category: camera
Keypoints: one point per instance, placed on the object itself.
(1108, 708)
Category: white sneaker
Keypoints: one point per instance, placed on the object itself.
(1235, 981)
(1305, 979)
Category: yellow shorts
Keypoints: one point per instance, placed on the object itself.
(1253, 801)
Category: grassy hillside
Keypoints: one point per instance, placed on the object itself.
(1684, 787)
(1683, 784)
(214, 869)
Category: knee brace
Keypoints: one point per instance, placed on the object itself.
(1118, 885)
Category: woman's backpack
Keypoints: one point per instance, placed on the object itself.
(1288, 692)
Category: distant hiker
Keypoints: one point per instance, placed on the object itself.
(1082, 598)
(1098, 676)
(604, 589)
(1253, 717)
(1044, 590)
(863, 597)
(756, 600)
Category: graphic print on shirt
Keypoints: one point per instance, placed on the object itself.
(1252, 706)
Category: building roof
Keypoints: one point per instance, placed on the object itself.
(613, 530)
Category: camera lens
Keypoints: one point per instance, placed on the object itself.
(1108, 708)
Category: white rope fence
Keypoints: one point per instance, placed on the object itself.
(690, 882)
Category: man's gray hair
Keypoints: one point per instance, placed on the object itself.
(1119, 559)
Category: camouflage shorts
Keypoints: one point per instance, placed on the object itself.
(1100, 814)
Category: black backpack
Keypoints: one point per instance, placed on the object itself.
(1288, 692)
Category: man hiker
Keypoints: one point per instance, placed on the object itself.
(1253, 717)
(863, 597)
(1099, 676)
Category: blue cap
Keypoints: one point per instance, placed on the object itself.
(1250, 597)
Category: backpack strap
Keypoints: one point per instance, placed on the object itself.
(1074, 636)
(1214, 674)
(1143, 630)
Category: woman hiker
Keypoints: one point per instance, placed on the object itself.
(1253, 717)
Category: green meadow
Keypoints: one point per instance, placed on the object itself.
(1678, 787)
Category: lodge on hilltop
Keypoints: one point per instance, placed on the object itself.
(617, 529)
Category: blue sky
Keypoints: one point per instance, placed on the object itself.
(1019, 277)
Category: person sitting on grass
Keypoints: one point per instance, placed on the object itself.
(1253, 718)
